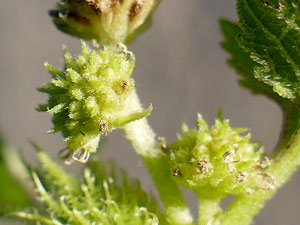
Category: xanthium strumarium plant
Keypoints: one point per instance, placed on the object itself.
(95, 93)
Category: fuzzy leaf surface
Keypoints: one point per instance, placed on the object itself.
(270, 34)
(241, 61)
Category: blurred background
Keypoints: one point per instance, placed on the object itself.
(180, 68)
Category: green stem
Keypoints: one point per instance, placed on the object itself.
(209, 211)
(291, 114)
(244, 208)
(143, 140)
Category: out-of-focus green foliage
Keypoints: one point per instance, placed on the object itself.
(241, 61)
(12, 195)
(100, 197)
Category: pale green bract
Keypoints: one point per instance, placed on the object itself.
(219, 161)
(88, 97)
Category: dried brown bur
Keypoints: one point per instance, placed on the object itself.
(264, 163)
(202, 166)
(71, 15)
(242, 176)
(162, 143)
(121, 87)
(230, 157)
(176, 172)
(124, 84)
(81, 155)
(95, 43)
(267, 182)
(136, 8)
(122, 49)
(103, 126)
(103, 6)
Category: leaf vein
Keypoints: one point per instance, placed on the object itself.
(274, 38)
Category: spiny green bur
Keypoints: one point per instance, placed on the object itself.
(107, 21)
(87, 98)
(219, 161)
(99, 198)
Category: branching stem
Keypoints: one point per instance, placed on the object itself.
(242, 209)
(209, 211)
(144, 142)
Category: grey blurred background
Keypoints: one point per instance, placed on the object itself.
(180, 69)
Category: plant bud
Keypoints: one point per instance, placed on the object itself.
(107, 21)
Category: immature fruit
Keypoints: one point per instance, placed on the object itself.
(219, 159)
(88, 97)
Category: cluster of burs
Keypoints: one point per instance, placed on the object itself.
(87, 98)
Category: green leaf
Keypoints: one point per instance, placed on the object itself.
(271, 37)
(12, 195)
(241, 61)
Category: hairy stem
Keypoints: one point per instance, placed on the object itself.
(209, 211)
(244, 208)
(143, 140)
